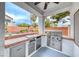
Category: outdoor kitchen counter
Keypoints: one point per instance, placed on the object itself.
(8, 37)
(20, 39)
(16, 40)
(68, 38)
(63, 37)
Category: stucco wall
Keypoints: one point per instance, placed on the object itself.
(63, 29)
(2, 19)
(74, 9)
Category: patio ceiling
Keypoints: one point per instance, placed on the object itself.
(44, 6)
(51, 7)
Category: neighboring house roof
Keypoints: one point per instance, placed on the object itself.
(8, 17)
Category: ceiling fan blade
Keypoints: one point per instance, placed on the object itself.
(45, 6)
(36, 3)
(56, 2)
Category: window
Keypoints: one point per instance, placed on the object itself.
(19, 20)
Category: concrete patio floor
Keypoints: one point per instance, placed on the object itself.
(46, 52)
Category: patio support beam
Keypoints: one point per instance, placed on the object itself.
(41, 26)
(2, 29)
(72, 24)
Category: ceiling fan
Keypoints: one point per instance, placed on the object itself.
(46, 4)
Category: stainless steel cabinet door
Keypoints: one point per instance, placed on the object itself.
(18, 51)
(31, 47)
(56, 42)
(38, 43)
(48, 40)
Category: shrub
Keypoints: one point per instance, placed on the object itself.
(22, 31)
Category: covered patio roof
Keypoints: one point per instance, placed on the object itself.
(39, 10)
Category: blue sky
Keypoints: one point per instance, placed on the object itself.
(18, 14)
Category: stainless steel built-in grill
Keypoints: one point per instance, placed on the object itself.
(54, 39)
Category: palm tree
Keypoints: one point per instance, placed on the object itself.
(61, 15)
(34, 24)
(33, 18)
(47, 23)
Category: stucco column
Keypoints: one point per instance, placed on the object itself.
(72, 26)
(2, 30)
(72, 22)
(41, 26)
